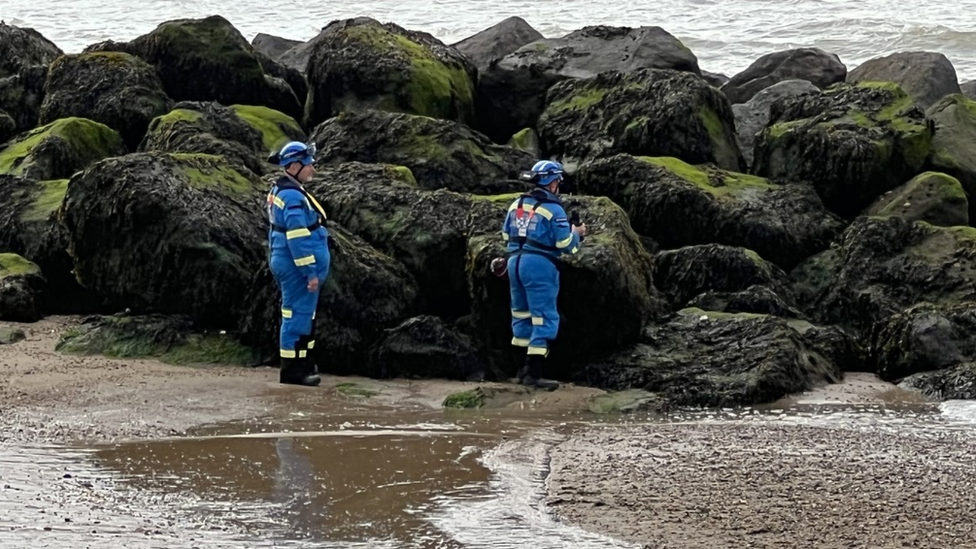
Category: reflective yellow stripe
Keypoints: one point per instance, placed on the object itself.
(538, 321)
(519, 342)
(307, 260)
(302, 354)
(543, 212)
(564, 243)
(313, 315)
(287, 353)
(311, 344)
(279, 202)
(297, 233)
(538, 351)
(521, 314)
(286, 313)
(574, 250)
(504, 236)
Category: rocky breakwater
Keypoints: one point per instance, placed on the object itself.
(720, 268)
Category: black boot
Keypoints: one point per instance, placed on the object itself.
(308, 369)
(295, 371)
(533, 375)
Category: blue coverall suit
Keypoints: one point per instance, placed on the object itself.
(299, 252)
(539, 219)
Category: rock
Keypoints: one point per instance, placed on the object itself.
(291, 76)
(24, 47)
(955, 383)
(169, 339)
(426, 231)
(59, 149)
(273, 46)
(359, 64)
(644, 112)
(853, 143)
(606, 293)
(208, 60)
(881, 266)
(9, 336)
(628, 402)
(752, 116)
(243, 133)
(511, 92)
(678, 205)
(526, 140)
(687, 272)
(925, 76)
(21, 96)
(497, 41)
(424, 347)
(716, 360)
(923, 338)
(714, 79)
(366, 293)
(954, 117)
(167, 233)
(969, 89)
(836, 344)
(20, 283)
(8, 128)
(116, 89)
(440, 153)
(759, 299)
(487, 397)
(814, 65)
(931, 196)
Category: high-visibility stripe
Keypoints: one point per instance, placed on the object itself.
(302, 354)
(574, 250)
(297, 233)
(279, 202)
(544, 213)
(538, 351)
(538, 321)
(287, 353)
(505, 236)
(286, 313)
(521, 314)
(520, 342)
(565, 242)
(303, 261)
(311, 344)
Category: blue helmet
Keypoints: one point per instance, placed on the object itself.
(545, 172)
(295, 152)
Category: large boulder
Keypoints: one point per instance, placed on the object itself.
(497, 41)
(167, 233)
(853, 142)
(882, 265)
(20, 283)
(361, 64)
(59, 149)
(208, 60)
(424, 347)
(441, 154)
(814, 65)
(758, 298)
(512, 91)
(969, 89)
(923, 338)
(954, 117)
(24, 47)
(21, 96)
(954, 383)
(678, 205)
(8, 127)
(366, 292)
(930, 196)
(116, 89)
(687, 272)
(644, 112)
(273, 46)
(246, 134)
(705, 358)
(752, 116)
(925, 76)
(606, 295)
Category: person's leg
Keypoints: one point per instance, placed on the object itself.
(521, 317)
(541, 279)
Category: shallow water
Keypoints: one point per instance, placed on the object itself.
(353, 476)
(726, 35)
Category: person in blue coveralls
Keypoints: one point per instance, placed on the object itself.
(538, 233)
(299, 260)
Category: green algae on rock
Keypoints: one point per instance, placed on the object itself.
(59, 149)
(20, 283)
(954, 117)
(930, 196)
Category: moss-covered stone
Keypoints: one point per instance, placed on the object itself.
(355, 390)
(59, 149)
(50, 195)
(8, 127)
(954, 117)
(20, 283)
(526, 140)
(21, 95)
(360, 63)
(14, 265)
(852, 142)
(424, 347)
(113, 88)
(628, 401)
(9, 336)
(22, 47)
(678, 204)
(168, 339)
(485, 397)
(276, 127)
(923, 338)
(648, 112)
(930, 196)
(953, 383)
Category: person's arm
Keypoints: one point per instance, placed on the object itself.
(298, 236)
(566, 239)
